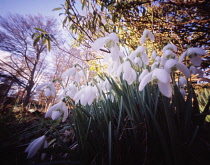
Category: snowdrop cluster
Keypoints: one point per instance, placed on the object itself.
(156, 70)
(136, 68)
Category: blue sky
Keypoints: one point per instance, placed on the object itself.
(43, 7)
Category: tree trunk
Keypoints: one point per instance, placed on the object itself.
(28, 93)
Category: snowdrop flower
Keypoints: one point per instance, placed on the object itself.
(139, 55)
(154, 65)
(68, 72)
(158, 59)
(112, 68)
(34, 146)
(144, 73)
(160, 77)
(111, 42)
(172, 65)
(45, 146)
(74, 73)
(182, 81)
(194, 70)
(129, 74)
(194, 55)
(171, 47)
(147, 34)
(168, 54)
(49, 89)
(154, 55)
(58, 110)
(86, 95)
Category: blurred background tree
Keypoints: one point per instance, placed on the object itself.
(25, 62)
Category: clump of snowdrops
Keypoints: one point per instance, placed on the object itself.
(140, 88)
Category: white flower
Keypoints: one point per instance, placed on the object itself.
(140, 52)
(34, 146)
(154, 54)
(160, 77)
(194, 70)
(113, 67)
(194, 55)
(49, 89)
(86, 95)
(111, 42)
(129, 74)
(170, 47)
(158, 59)
(45, 146)
(172, 65)
(68, 72)
(144, 73)
(154, 65)
(168, 54)
(147, 34)
(182, 81)
(74, 72)
(58, 110)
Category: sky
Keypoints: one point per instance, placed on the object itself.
(33, 7)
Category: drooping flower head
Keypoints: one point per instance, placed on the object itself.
(160, 77)
(58, 110)
(35, 145)
(49, 89)
(194, 54)
(139, 55)
(173, 65)
(111, 41)
(147, 34)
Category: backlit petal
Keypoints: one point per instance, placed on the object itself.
(162, 75)
(165, 89)
(146, 79)
(196, 60)
(183, 69)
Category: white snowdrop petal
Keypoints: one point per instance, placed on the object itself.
(198, 51)
(144, 73)
(182, 81)
(145, 80)
(77, 77)
(182, 91)
(183, 55)
(51, 109)
(183, 69)
(34, 148)
(151, 36)
(39, 87)
(45, 146)
(165, 88)
(162, 75)
(100, 42)
(170, 63)
(115, 51)
(196, 60)
(154, 54)
(56, 115)
(47, 92)
(65, 112)
(158, 59)
(114, 37)
(145, 58)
